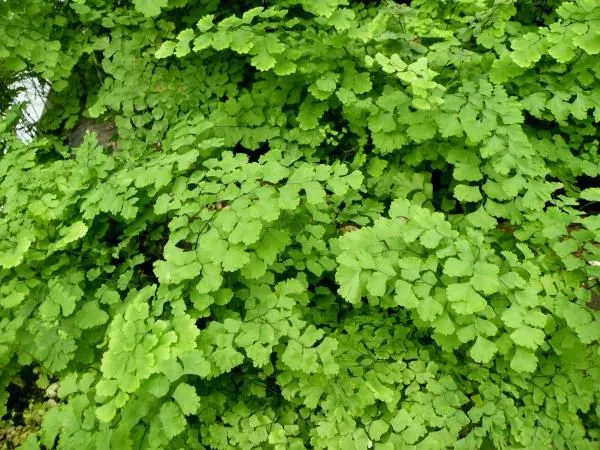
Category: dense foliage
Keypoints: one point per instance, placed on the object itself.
(320, 224)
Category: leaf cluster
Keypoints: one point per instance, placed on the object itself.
(324, 224)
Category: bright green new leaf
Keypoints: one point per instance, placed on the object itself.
(590, 194)
(247, 231)
(529, 337)
(483, 350)
(404, 295)
(589, 42)
(263, 61)
(485, 277)
(376, 285)
(150, 8)
(166, 49)
(172, 420)
(235, 258)
(106, 412)
(349, 281)
(523, 361)
(315, 194)
(377, 429)
(466, 193)
(464, 299)
(194, 363)
(187, 398)
(455, 267)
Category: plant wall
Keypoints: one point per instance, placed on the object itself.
(306, 224)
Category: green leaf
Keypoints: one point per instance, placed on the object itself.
(465, 193)
(183, 42)
(574, 315)
(285, 67)
(107, 412)
(30, 443)
(274, 172)
(376, 285)
(523, 361)
(404, 295)
(227, 358)
(327, 82)
(429, 309)
(187, 399)
(431, 239)
(158, 385)
(528, 49)
(377, 429)
(348, 279)
(242, 41)
(150, 8)
(483, 350)
(485, 278)
(589, 42)
(90, 315)
(235, 258)
(263, 61)
(323, 8)
(206, 23)
(315, 194)
(562, 52)
(14, 256)
(309, 114)
(481, 219)
(342, 19)
(194, 363)
(455, 267)
(566, 247)
(288, 197)
(13, 298)
(493, 146)
(590, 194)
(172, 420)
(529, 337)
(401, 421)
(166, 49)
(202, 42)
(71, 234)
(292, 355)
(54, 348)
(247, 232)
(464, 299)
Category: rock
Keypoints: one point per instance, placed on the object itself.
(105, 132)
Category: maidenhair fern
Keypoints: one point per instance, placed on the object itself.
(324, 224)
